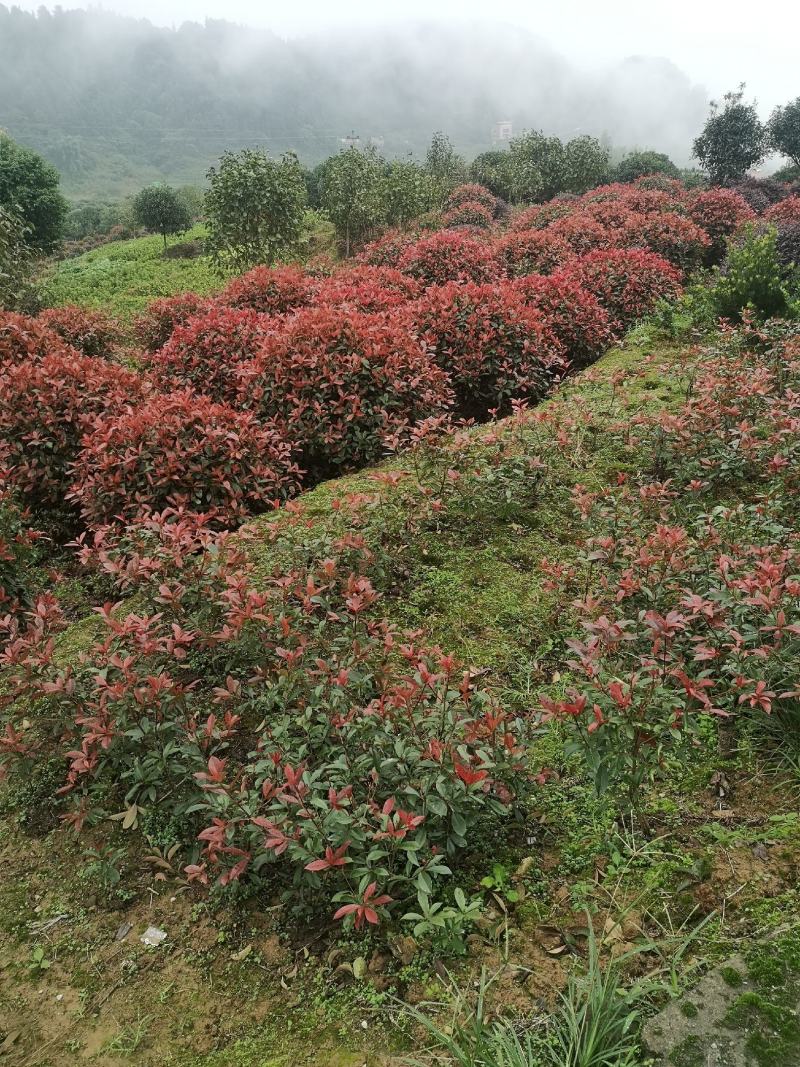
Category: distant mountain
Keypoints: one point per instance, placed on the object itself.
(115, 102)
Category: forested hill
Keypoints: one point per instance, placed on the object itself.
(115, 102)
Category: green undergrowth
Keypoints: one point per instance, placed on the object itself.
(122, 277)
(470, 579)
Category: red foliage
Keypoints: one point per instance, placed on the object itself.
(387, 250)
(627, 282)
(208, 350)
(270, 290)
(522, 252)
(448, 257)
(720, 212)
(490, 341)
(154, 328)
(367, 288)
(23, 339)
(674, 237)
(787, 210)
(45, 408)
(581, 232)
(572, 313)
(180, 450)
(470, 213)
(471, 194)
(539, 216)
(90, 332)
(340, 384)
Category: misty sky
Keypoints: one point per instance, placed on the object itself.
(718, 43)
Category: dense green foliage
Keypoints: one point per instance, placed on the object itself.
(541, 167)
(29, 185)
(124, 276)
(254, 208)
(160, 209)
(352, 195)
(637, 164)
(783, 130)
(733, 139)
(15, 260)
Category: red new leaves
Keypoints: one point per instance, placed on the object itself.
(523, 252)
(627, 283)
(46, 406)
(365, 909)
(339, 383)
(207, 351)
(154, 328)
(694, 608)
(180, 449)
(492, 344)
(24, 339)
(89, 331)
(448, 257)
(270, 290)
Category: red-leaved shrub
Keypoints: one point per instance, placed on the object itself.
(573, 314)
(720, 213)
(490, 341)
(469, 213)
(627, 282)
(522, 252)
(207, 351)
(180, 450)
(24, 339)
(154, 327)
(45, 408)
(340, 384)
(581, 232)
(672, 236)
(91, 332)
(367, 288)
(448, 257)
(539, 216)
(471, 193)
(270, 290)
(386, 250)
(787, 210)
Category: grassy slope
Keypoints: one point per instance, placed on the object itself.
(122, 277)
(471, 582)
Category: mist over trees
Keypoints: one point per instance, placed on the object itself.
(116, 103)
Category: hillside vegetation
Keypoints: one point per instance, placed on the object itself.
(413, 642)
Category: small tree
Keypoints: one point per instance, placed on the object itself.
(161, 209)
(408, 192)
(15, 261)
(445, 166)
(585, 164)
(639, 164)
(30, 185)
(352, 195)
(537, 165)
(783, 130)
(254, 208)
(491, 170)
(733, 139)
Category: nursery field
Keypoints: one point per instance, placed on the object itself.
(399, 657)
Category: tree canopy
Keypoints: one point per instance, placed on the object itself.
(30, 187)
(254, 208)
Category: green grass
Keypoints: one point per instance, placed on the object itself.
(122, 277)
